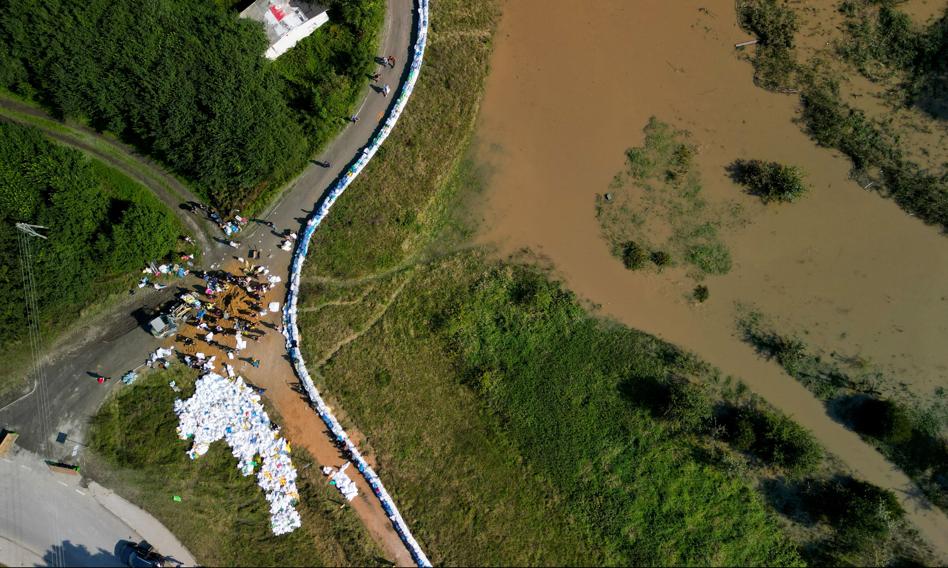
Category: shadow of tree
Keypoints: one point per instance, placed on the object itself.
(69, 554)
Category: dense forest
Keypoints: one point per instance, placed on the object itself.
(186, 82)
(102, 227)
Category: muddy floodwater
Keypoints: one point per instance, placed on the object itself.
(570, 89)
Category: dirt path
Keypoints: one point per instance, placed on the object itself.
(848, 267)
(117, 155)
(300, 423)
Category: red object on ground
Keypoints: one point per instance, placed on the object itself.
(100, 380)
(277, 13)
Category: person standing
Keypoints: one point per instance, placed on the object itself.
(385, 90)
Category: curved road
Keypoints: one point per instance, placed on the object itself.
(117, 342)
(88, 522)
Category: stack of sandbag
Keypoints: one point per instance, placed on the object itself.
(229, 409)
(344, 483)
(291, 330)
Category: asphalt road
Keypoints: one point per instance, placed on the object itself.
(53, 419)
(117, 342)
(50, 519)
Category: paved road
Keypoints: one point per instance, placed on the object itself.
(116, 343)
(50, 519)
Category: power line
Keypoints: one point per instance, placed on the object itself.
(25, 234)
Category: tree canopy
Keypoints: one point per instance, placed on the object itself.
(187, 83)
(101, 227)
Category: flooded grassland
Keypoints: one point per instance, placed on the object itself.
(571, 88)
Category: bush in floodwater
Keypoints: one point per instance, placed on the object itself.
(769, 180)
(881, 419)
(634, 256)
(860, 511)
(701, 293)
(661, 258)
(775, 26)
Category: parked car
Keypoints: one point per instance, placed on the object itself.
(140, 555)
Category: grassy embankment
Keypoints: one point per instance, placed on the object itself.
(223, 517)
(908, 63)
(654, 212)
(909, 433)
(510, 426)
(513, 428)
(103, 227)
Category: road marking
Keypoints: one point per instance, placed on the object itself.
(61, 483)
(24, 467)
(80, 492)
(7, 460)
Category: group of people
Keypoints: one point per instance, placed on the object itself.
(233, 307)
(388, 62)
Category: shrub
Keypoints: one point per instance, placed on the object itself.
(712, 258)
(701, 293)
(882, 41)
(769, 180)
(860, 511)
(680, 162)
(688, 405)
(775, 26)
(634, 256)
(771, 437)
(833, 124)
(661, 258)
(881, 419)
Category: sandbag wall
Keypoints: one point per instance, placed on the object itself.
(291, 331)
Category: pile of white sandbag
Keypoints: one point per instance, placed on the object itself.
(344, 483)
(229, 409)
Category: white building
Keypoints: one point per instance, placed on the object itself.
(286, 22)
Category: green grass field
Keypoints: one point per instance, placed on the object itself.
(398, 201)
(508, 432)
(222, 517)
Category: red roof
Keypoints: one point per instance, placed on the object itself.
(277, 13)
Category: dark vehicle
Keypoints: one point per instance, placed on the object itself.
(141, 555)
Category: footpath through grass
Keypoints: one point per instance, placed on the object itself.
(223, 517)
(509, 432)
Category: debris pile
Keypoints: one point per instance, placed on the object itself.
(229, 409)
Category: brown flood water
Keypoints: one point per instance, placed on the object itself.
(570, 89)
